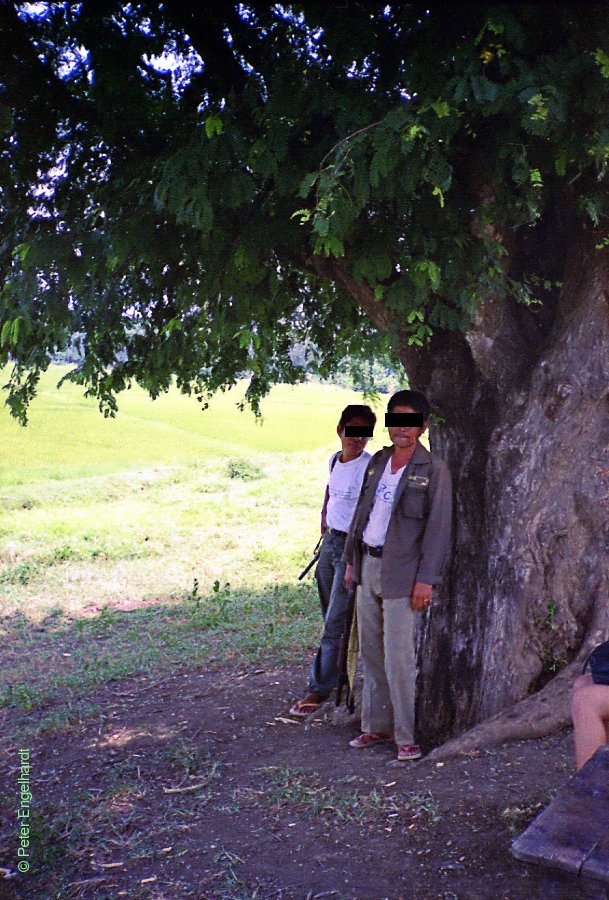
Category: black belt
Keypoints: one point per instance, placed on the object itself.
(337, 532)
(372, 551)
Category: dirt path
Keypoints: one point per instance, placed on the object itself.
(200, 786)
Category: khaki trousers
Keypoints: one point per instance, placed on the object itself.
(386, 637)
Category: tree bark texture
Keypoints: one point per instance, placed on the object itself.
(525, 401)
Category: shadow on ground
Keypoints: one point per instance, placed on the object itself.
(196, 783)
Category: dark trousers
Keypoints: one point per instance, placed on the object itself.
(330, 575)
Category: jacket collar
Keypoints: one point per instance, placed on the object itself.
(421, 456)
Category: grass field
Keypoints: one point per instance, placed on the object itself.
(176, 534)
(68, 438)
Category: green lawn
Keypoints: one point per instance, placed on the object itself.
(94, 510)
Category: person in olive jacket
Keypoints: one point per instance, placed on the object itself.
(397, 549)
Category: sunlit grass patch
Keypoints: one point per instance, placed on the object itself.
(69, 659)
(160, 534)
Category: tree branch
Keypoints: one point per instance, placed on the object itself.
(336, 270)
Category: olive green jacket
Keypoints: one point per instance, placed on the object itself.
(418, 540)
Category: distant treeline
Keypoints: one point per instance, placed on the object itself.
(373, 376)
(353, 374)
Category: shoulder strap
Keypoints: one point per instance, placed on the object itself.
(324, 508)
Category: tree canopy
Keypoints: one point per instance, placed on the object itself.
(195, 187)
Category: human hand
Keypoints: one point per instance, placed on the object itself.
(421, 596)
(348, 575)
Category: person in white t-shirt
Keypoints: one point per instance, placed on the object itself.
(347, 470)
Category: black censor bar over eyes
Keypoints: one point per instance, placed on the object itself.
(411, 420)
(358, 430)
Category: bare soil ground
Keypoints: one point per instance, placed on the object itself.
(201, 786)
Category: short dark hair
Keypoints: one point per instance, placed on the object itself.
(416, 400)
(356, 411)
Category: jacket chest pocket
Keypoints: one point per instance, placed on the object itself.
(413, 502)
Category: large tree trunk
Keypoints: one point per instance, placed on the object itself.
(525, 398)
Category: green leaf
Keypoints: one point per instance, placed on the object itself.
(15, 331)
(438, 193)
(560, 163)
(441, 108)
(593, 207)
(490, 26)
(306, 184)
(174, 324)
(411, 133)
(539, 107)
(484, 91)
(10, 332)
(303, 214)
(213, 125)
(495, 28)
(6, 331)
(433, 270)
(602, 60)
(423, 271)
(321, 225)
(520, 169)
(460, 90)
(333, 246)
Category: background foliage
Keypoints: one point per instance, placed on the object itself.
(195, 189)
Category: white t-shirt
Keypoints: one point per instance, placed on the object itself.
(344, 484)
(378, 521)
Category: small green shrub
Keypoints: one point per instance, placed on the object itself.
(243, 469)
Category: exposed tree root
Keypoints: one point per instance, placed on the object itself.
(533, 717)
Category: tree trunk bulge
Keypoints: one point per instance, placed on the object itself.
(525, 398)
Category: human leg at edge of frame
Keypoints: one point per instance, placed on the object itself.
(590, 714)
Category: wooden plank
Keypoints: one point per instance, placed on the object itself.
(565, 834)
(596, 866)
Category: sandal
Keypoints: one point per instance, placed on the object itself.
(305, 707)
(368, 739)
(409, 752)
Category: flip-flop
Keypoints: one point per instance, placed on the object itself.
(304, 708)
(409, 752)
(369, 739)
